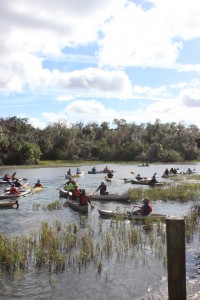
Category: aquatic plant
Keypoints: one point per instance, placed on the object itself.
(59, 246)
(179, 192)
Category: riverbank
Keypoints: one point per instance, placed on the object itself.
(79, 163)
(64, 163)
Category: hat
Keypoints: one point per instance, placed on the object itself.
(102, 182)
(145, 200)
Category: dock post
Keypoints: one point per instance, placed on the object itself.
(176, 262)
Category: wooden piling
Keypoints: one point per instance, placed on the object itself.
(176, 262)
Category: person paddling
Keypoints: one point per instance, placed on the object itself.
(102, 188)
(145, 209)
(38, 184)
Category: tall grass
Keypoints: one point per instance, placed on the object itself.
(182, 192)
(59, 247)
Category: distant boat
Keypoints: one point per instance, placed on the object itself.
(143, 165)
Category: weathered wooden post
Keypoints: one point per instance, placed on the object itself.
(175, 227)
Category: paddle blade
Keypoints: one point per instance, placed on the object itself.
(132, 172)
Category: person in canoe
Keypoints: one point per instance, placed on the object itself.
(78, 171)
(153, 179)
(84, 199)
(69, 185)
(69, 172)
(106, 170)
(75, 193)
(102, 188)
(166, 172)
(94, 170)
(109, 176)
(17, 183)
(38, 184)
(138, 177)
(13, 176)
(145, 209)
(14, 190)
(71, 180)
(7, 177)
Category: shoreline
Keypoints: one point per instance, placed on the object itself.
(70, 164)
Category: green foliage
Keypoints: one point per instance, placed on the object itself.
(20, 143)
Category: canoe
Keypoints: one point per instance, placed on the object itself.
(7, 195)
(9, 204)
(100, 172)
(111, 197)
(143, 165)
(127, 180)
(128, 216)
(145, 182)
(169, 175)
(80, 208)
(74, 175)
(37, 189)
(63, 193)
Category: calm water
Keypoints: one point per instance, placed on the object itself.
(127, 279)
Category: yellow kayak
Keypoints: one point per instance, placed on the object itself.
(37, 189)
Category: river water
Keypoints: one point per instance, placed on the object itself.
(123, 279)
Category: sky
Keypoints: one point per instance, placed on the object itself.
(97, 60)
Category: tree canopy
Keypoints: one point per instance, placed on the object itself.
(21, 143)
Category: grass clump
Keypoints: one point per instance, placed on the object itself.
(178, 192)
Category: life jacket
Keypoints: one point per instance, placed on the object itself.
(14, 190)
(70, 187)
(84, 200)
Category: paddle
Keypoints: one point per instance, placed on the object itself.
(132, 173)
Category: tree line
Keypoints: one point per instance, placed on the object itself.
(21, 143)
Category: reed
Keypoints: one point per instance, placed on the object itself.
(192, 222)
(178, 192)
(59, 246)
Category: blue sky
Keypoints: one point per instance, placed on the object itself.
(86, 61)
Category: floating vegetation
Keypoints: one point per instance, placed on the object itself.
(182, 192)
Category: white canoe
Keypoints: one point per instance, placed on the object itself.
(129, 216)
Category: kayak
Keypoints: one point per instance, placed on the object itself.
(80, 208)
(7, 195)
(8, 182)
(111, 197)
(37, 189)
(74, 175)
(9, 204)
(125, 215)
(21, 188)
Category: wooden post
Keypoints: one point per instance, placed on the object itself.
(175, 227)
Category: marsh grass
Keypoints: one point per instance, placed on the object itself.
(192, 222)
(59, 247)
(182, 192)
(54, 205)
